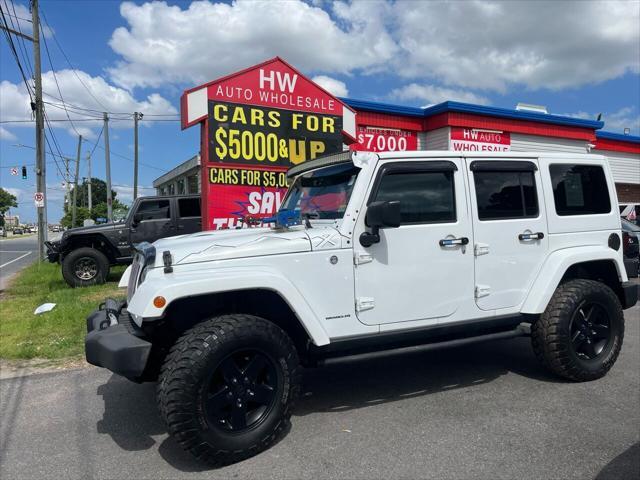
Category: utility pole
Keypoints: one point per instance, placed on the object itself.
(67, 195)
(41, 173)
(107, 160)
(136, 116)
(89, 200)
(75, 184)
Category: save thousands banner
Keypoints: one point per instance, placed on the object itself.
(255, 125)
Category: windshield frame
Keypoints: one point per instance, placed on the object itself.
(351, 170)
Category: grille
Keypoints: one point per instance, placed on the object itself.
(136, 268)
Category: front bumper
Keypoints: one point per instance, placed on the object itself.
(114, 342)
(629, 294)
(53, 251)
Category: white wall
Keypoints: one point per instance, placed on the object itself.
(434, 140)
(535, 143)
(625, 166)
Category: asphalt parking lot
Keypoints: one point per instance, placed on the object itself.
(486, 411)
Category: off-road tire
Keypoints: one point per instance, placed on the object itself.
(551, 334)
(183, 383)
(69, 267)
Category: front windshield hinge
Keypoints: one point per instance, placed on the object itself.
(360, 258)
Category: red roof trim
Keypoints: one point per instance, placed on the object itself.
(455, 119)
(616, 146)
(373, 119)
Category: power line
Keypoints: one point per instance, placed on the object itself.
(97, 141)
(12, 47)
(51, 120)
(55, 78)
(73, 69)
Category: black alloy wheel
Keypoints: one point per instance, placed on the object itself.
(241, 391)
(590, 330)
(86, 268)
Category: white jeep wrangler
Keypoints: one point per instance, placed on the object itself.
(370, 252)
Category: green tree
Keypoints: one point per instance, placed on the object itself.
(98, 194)
(7, 200)
(82, 214)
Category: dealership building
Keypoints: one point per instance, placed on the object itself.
(467, 128)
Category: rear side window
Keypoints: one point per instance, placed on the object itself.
(154, 209)
(505, 194)
(579, 189)
(188, 207)
(425, 197)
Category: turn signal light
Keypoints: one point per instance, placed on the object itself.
(159, 302)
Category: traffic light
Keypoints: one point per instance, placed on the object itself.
(24, 172)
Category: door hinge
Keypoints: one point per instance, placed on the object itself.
(480, 249)
(482, 291)
(362, 257)
(364, 303)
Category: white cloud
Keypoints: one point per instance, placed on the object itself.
(78, 90)
(125, 192)
(473, 44)
(24, 20)
(481, 44)
(206, 40)
(332, 85)
(432, 94)
(6, 134)
(626, 117)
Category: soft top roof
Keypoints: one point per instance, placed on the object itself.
(323, 161)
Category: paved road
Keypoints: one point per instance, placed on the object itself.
(485, 411)
(17, 253)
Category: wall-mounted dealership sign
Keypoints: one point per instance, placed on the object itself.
(255, 124)
(377, 139)
(479, 140)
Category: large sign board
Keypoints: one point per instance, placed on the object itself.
(256, 124)
(479, 140)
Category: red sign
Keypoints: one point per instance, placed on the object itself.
(256, 124)
(479, 140)
(375, 139)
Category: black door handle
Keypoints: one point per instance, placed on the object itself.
(524, 237)
(452, 242)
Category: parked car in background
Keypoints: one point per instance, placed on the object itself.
(630, 212)
(631, 247)
(87, 253)
(18, 231)
(2, 232)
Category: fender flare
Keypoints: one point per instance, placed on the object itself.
(556, 265)
(193, 283)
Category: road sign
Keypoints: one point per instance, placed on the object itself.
(38, 198)
(14, 171)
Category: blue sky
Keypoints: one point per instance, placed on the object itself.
(578, 59)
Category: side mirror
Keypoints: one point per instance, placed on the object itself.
(380, 215)
(137, 218)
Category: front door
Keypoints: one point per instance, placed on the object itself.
(510, 229)
(152, 220)
(422, 270)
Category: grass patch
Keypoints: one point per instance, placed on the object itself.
(55, 334)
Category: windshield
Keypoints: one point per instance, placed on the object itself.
(322, 193)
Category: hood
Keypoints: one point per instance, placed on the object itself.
(229, 244)
(103, 227)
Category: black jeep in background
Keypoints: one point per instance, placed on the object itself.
(87, 253)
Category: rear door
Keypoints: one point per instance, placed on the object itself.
(189, 217)
(510, 229)
(156, 221)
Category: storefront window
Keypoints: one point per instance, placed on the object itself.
(192, 182)
(181, 186)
